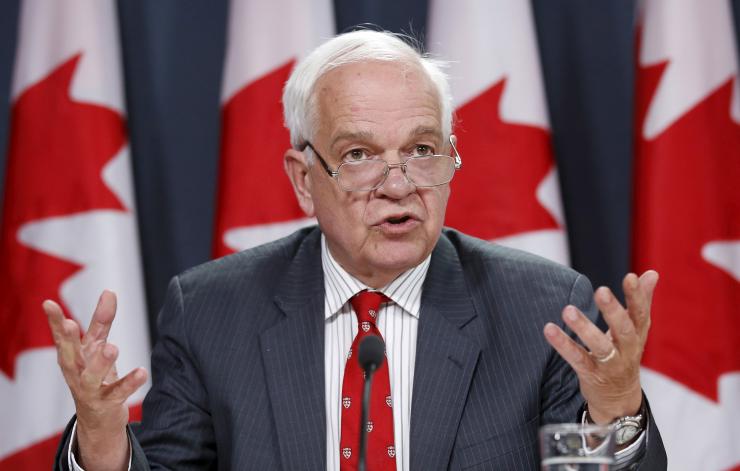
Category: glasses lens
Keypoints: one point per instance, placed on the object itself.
(430, 171)
(361, 175)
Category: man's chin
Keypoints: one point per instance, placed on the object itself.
(398, 255)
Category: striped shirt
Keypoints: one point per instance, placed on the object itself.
(398, 323)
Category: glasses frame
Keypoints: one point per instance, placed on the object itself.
(402, 165)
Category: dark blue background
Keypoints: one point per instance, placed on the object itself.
(173, 53)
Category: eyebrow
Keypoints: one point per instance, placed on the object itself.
(425, 131)
(368, 136)
(352, 136)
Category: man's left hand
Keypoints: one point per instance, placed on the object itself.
(608, 368)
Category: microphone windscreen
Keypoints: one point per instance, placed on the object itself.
(372, 352)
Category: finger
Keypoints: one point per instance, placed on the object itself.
(55, 316)
(574, 354)
(102, 318)
(66, 334)
(591, 336)
(70, 349)
(648, 281)
(621, 327)
(637, 305)
(98, 366)
(112, 375)
(67, 358)
(126, 386)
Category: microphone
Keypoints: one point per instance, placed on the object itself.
(370, 356)
(372, 353)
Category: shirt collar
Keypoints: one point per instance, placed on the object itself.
(340, 286)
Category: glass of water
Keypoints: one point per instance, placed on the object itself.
(576, 447)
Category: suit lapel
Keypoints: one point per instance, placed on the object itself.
(445, 360)
(293, 356)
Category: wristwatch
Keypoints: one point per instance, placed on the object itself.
(625, 428)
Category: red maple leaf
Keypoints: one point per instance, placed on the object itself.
(686, 195)
(252, 146)
(495, 193)
(58, 148)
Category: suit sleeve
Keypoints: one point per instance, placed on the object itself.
(61, 462)
(655, 457)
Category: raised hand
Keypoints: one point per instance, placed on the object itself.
(608, 368)
(88, 366)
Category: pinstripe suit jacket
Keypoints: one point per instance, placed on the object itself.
(238, 370)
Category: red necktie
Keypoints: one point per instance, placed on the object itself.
(380, 452)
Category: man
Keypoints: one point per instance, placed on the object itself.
(251, 370)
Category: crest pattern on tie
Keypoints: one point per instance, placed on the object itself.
(380, 451)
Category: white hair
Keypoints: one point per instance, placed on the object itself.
(299, 103)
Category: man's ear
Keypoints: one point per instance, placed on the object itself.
(297, 169)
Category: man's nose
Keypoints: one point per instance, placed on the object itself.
(396, 184)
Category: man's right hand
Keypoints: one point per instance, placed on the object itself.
(100, 396)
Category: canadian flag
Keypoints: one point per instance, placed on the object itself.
(69, 226)
(256, 203)
(508, 189)
(687, 226)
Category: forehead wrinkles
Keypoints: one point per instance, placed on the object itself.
(374, 94)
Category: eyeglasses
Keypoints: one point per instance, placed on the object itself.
(423, 171)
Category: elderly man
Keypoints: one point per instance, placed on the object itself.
(255, 363)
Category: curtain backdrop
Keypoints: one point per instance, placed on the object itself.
(173, 62)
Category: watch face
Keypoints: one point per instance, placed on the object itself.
(625, 433)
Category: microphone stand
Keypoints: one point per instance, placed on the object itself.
(370, 356)
(364, 415)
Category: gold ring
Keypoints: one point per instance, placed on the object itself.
(608, 357)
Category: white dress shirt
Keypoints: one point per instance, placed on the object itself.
(398, 323)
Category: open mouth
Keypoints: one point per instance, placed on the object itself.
(398, 220)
